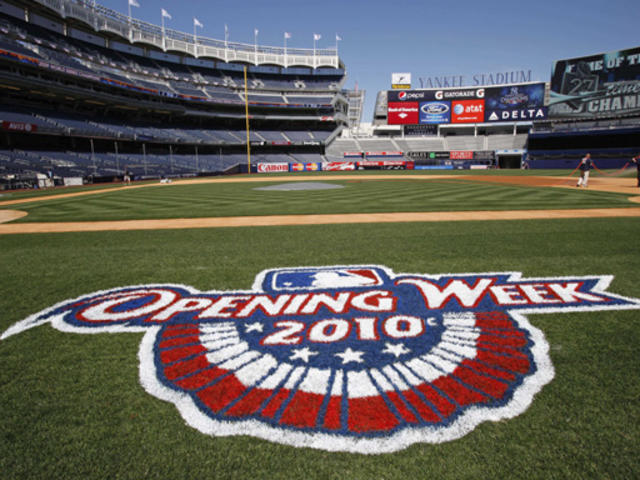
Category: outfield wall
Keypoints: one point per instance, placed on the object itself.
(602, 158)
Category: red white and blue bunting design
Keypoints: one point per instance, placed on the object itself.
(341, 358)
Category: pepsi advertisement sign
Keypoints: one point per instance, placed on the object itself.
(435, 95)
(435, 112)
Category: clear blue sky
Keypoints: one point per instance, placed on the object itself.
(425, 37)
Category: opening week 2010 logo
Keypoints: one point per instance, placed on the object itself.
(341, 358)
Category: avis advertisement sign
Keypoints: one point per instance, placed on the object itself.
(19, 127)
(402, 113)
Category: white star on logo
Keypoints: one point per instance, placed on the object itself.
(350, 356)
(253, 327)
(396, 350)
(303, 354)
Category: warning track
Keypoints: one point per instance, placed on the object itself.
(618, 185)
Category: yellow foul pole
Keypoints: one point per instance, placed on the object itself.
(246, 114)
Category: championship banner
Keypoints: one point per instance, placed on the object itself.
(598, 85)
(273, 167)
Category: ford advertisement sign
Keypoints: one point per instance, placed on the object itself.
(435, 112)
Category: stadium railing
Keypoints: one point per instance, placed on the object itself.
(134, 30)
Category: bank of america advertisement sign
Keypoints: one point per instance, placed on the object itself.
(604, 84)
(521, 102)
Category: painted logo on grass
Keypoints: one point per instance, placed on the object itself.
(341, 358)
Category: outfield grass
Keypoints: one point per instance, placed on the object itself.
(356, 196)
(73, 407)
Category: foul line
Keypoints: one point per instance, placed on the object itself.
(289, 220)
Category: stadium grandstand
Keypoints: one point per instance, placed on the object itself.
(89, 92)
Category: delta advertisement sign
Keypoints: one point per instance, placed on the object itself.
(524, 102)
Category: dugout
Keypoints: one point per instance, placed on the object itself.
(509, 158)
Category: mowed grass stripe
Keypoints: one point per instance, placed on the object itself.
(74, 408)
(239, 199)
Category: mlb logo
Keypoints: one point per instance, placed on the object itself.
(322, 278)
(341, 358)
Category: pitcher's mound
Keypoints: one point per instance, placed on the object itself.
(285, 187)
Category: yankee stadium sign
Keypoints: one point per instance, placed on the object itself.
(341, 358)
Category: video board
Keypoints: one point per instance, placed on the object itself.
(508, 103)
(604, 84)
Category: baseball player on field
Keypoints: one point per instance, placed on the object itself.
(586, 164)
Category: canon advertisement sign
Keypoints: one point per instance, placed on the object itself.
(273, 167)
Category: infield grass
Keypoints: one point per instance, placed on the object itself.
(356, 196)
(72, 406)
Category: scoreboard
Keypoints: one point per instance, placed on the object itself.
(507, 103)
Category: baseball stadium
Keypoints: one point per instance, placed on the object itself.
(215, 266)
